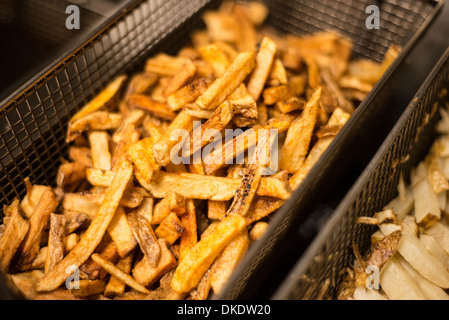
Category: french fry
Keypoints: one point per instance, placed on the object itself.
(140, 83)
(144, 234)
(116, 272)
(435, 249)
(88, 288)
(115, 286)
(181, 78)
(90, 270)
(32, 197)
(121, 233)
(419, 258)
(339, 117)
(201, 292)
(146, 208)
(227, 261)
(38, 221)
(155, 108)
(15, 232)
(162, 148)
(221, 88)
(104, 99)
(398, 284)
(264, 62)
(165, 291)
(435, 174)
(74, 202)
(141, 154)
(297, 142)
(220, 157)
(98, 120)
(130, 135)
(164, 65)
(74, 220)
(99, 178)
(55, 247)
(196, 262)
(427, 206)
(258, 230)
(196, 186)
(189, 237)
(147, 274)
(70, 176)
(440, 233)
(135, 117)
(187, 94)
(99, 143)
(170, 228)
(81, 155)
(94, 233)
(173, 202)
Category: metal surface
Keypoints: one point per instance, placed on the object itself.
(33, 121)
(323, 265)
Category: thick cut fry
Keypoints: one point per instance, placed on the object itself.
(70, 176)
(189, 237)
(140, 83)
(398, 284)
(38, 221)
(181, 78)
(226, 154)
(419, 258)
(116, 272)
(74, 220)
(338, 118)
(170, 228)
(201, 292)
(227, 261)
(216, 210)
(104, 100)
(147, 274)
(99, 178)
(234, 75)
(15, 231)
(435, 174)
(440, 233)
(272, 95)
(427, 206)
(80, 203)
(121, 233)
(141, 154)
(299, 135)
(435, 249)
(144, 234)
(430, 290)
(187, 94)
(216, 123)
(164, 65)
(91, 270)
(92, 237)
(32, 197)
(173, 202)
(115, 286)
(258, 230)
(82, 155)
(196, 262)
(88, 288)
(264, 62)
(197, 186)
(99, 144)
(135, 117)
(163, 147)
(165, 291)
(130, 135)
(98, 120)
(55, 247)
(262, 207)
(155, 108)
(146, 208)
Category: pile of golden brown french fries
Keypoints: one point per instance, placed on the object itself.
(411, 248)
(125, 222)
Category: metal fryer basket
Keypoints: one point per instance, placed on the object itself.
(33, 122)
(322, 267)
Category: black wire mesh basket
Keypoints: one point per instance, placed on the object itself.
(34, 119)
(319, 272)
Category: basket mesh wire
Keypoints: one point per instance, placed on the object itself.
(322, 267)
(33, 124)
